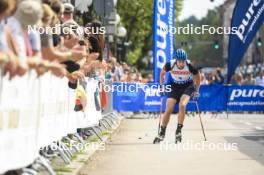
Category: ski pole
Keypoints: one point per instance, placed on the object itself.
(161, 100)
(198, 110)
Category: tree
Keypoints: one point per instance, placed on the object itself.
(137, 17)
(202, 49)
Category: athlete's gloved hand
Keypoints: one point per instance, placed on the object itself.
(196, 95)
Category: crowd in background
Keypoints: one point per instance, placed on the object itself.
(72, 54)
(245, 75)
(68, 50)
(249, 75)
(124, 73)
(77, 53)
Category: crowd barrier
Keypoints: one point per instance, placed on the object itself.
(34, 112)
(37, 111)
(214, 98)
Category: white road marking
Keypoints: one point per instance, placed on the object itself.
(259, 128)
(248, 123)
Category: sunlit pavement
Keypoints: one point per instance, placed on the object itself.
(235, 146)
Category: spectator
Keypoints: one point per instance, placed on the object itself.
(219, 78)
(96, 37)
(238, 79)
(249, 80)
(109, 73)
(28, 13)
(138, 77)
(7, 45)
(211, 78)
(260, 79)
(203, 79)
(130, 77)
(58, 9)
(68, 13)
(150, 78)
(117, 72)
(51, 53)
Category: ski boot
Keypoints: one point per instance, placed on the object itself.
(160, 136)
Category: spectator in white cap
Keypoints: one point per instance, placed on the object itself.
(28, 13)
(68, 13)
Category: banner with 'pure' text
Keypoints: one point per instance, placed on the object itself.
(163, 38)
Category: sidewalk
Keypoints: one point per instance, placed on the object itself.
(131, 151)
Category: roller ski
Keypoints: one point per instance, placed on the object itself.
(178, 135)
(161, 135)
(178, 138)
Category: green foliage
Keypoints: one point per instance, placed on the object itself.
(136, 17)
(178, 8)
(201, 48)
(133, 56)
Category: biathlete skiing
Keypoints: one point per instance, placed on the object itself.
(184, 80)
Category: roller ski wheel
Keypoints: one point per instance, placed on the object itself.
(158, 139)
(178, 138)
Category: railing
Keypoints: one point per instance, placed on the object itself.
(35, 112)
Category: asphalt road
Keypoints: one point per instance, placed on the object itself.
(234, 146)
